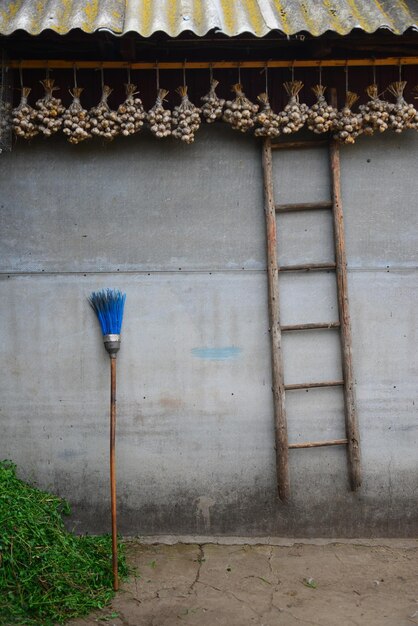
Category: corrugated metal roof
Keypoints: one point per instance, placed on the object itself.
(231, 17)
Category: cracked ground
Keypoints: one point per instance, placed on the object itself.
(234, 585)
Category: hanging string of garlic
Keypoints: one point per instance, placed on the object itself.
(375, 113)
(159, 118)
(348, 124)
(104, 122)
(239, 113)
(267, 121)
(76, 120)
(321, 116)
(131, 113)
(213, 106)
(5, 120)
(186, 117)
(24, 117)
(50, 109)
(295, 113)
(402, 115)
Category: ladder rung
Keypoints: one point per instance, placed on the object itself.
(326, 383)
(296, 145)
(319, 444)
(307, 267)
(303, 206)
(314, 326)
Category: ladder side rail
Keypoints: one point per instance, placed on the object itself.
(281, 437)
(351, 421)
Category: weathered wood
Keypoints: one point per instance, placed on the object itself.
(302, 206)
(307, 267)
(113, 471)
(314, 326)
(282, 457)
(351, 422)
(299, 145)
(318, 444)
(325, 383)
(200, 65)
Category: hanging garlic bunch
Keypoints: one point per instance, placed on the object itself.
(159, 118)
(375, 112)
(267, 121)
(295, 113)
(348, 125)
(24, 117)
(186, 117)
(50, 109)
(131, 113)
(5, 120)
(213, 105)
(402, 115)
(321, 115)
(76, 121)
(239, 113)
(104, 122)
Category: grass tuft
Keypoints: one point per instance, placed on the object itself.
(47, 574)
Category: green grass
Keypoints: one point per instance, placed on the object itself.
(47, 574)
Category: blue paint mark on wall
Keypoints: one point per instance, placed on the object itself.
(217, 354)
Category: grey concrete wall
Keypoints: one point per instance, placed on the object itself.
(181, 230)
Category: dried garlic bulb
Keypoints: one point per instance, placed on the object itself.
(159, 118)
(239, 113)
(294, 115)
(76, 121)
(348, 125)
(375, 112)
(24, 117)
(131, 113)
(5, 119)
(104, 122)
(268, 122)
(50, 109)
(403, 115)
(213, 105)
(321, 115)
(186, 117)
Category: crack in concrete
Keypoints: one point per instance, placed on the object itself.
(200, 559)
(301, 620)
(231, 593)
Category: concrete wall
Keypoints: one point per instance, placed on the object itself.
(181, 230)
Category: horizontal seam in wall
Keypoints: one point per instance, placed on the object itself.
(353, 270)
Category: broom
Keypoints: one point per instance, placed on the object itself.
(108, 305)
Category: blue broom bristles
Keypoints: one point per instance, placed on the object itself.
(108, 305)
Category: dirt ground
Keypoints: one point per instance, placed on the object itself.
(333, 584)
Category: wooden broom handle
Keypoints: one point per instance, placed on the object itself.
(112, 471)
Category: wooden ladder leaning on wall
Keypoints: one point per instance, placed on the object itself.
(352, 439)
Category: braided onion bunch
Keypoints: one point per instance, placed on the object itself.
(321, 116)
(348, 125)
(104, 122)
(159, 118)
(131, 114)
(295, 113)
(186, 117)
(375, 112)
(403, 115)
(239, 113)
(267, 121)
(50, 109)
(24, 117)
(76, 121)
(213, 105)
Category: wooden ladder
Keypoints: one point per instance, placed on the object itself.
(272, 209)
